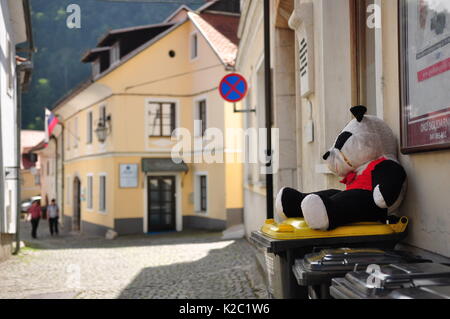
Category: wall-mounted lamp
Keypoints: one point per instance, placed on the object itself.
(103, 128)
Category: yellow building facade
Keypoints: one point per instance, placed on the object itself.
(119, 172)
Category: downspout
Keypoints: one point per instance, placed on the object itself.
(19, 158)
(268, 107)
(63, 178)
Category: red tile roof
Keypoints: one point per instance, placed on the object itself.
(221, 33)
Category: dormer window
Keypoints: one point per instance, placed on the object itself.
(96, 68)
(194, 46)
(114, 53)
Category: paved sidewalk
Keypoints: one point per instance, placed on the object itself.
(172, 265)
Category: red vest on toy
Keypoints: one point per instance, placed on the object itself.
(363, 180)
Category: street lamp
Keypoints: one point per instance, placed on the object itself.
(103, 129)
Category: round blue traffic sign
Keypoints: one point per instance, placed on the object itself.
(233, 87)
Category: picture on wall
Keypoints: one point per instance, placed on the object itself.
(424, 27)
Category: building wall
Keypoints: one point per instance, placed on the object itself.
(132, 86)
(48, 173)
(250, 63)
(29, 188)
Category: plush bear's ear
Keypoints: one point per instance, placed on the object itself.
(358, 112)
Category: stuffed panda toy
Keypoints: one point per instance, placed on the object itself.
(365, 156)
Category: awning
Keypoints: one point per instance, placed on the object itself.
(154, 165)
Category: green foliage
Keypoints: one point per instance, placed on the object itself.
(57, 65)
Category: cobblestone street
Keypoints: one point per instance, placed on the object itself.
(171, 265)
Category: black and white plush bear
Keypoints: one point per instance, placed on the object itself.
(365, 155)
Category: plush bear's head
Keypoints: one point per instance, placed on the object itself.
(364, 139)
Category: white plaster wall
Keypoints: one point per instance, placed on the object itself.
(328, 106)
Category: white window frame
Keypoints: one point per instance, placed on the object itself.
(90, 192)
(102, 210)
(197, 193)
(89, 127)
(75, 124)
(193, 39)
(114, 54)
(147, 135)
(68, 135)
(68, 190)
(197, 101)
(37, 179)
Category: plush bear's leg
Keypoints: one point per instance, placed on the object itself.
(288, 201)
(326, 213)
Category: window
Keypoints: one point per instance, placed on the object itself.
(194, 46)
(75, 142)
(37, 179)
(114, 54)
(48, 168)
(90, 181)
(201, 111)
(96, 68)
(203, 193)
(161, 119)
(89, 128)
(102, 193)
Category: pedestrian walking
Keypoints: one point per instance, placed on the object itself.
(53, 217)
(34, 212)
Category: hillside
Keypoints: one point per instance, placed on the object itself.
(57, 66)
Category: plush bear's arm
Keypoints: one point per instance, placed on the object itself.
(388, 178)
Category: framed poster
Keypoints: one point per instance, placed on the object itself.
(128, 175)
(424, 41)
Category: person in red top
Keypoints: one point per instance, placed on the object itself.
(35, 212)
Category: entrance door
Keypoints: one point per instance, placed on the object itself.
(161, 203)
(76, 205)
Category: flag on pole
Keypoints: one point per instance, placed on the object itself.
(50, 122)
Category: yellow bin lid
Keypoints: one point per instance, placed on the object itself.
(297, 228)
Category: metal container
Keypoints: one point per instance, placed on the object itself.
(381, 283)
(316, 270)
(431, 292)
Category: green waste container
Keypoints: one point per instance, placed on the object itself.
(292, 239)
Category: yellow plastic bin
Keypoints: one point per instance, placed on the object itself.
(285, 242)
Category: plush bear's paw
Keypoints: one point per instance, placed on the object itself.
(315, 212)
(279, 204)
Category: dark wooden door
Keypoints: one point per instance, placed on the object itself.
(161, 203)
(76, 224)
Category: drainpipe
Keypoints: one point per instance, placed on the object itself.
(268, 107)
(63, 178)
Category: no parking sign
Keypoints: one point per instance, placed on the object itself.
(233, 87)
